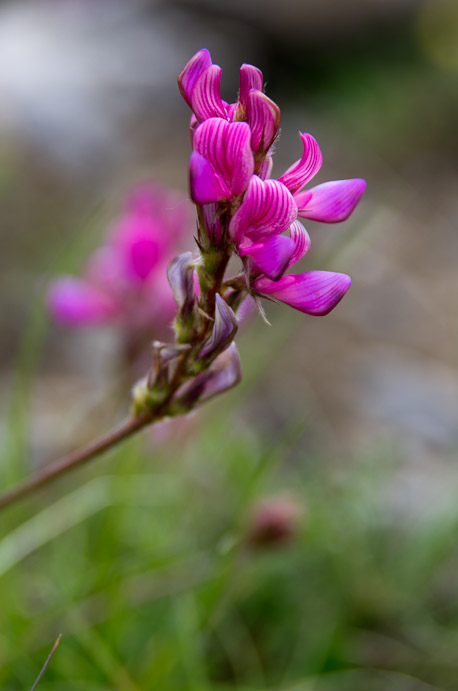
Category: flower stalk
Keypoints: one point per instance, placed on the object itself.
(242, 212)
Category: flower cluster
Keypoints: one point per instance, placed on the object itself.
(240, 205)
(125, 280)
(241, 210)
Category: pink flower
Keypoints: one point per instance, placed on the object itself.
(200, 86)
(125, 281)
(331, 202)
(230, 181)
(222, 162)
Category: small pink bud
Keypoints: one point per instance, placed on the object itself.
(274, 522)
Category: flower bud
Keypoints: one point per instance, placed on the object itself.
(181, 278)
(274, 521)
(223, 374)
(224, 329)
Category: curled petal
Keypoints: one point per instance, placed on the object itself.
(227, 146)
(313, 292)
(331, 202)
(206, 97)
(77, 303)
(264, 120)
(205, 184)
(224, 329)
(267, 208)
(198, 64)
(306, 168)
(250, 78)
(272, 255)
(301, 241)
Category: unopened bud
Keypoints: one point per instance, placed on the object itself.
(223, 374)
(224, 329)
(181, 278)
(274, 522)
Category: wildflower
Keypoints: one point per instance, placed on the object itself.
(255, 215)
(125, 281)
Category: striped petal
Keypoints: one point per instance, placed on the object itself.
(301, 241)
(330, 202)
(188, 78)
(263, 116)
(306, 168)
(250, 78)
(75, 302)
(206, 97)
(227, 146)
(272, 255)
(313, 292)
(205, 184)
(267, 208)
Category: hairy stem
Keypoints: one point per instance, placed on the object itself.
(74, 460)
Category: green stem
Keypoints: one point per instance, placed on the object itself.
(74, 460)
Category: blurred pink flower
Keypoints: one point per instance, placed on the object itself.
(125, 281)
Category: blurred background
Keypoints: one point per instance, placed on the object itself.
(301, 533)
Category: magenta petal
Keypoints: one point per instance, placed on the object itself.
(206, 98)
(272, 256)
(227, 145)
(267, 208)
(250, 78)
(301, 241)
(331, 202)
(306, 168)
(264, 120)
(142, 257)
(76, 303)
(205, 184)
(313, 292)
(198, 64)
